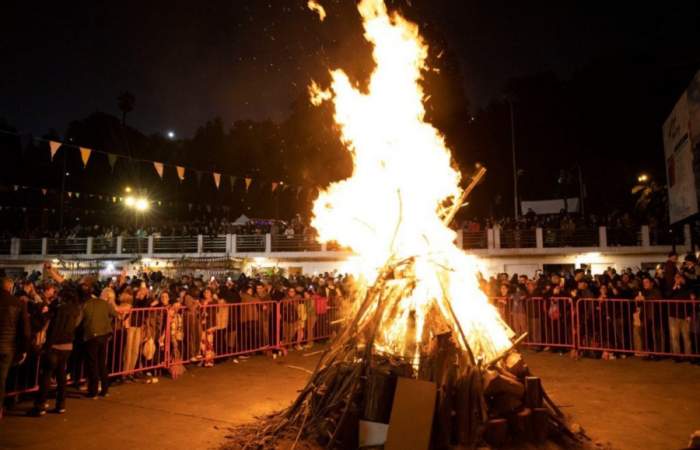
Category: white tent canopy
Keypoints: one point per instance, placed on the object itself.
(242, 220)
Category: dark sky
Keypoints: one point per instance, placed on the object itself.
(187, 62)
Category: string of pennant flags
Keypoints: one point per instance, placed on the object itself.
(159, 166)
(108, 198)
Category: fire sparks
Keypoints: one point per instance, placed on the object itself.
(394, 205)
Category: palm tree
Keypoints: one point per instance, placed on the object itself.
(126, 104)
(650, 196)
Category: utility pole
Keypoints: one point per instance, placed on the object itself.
(63, 192)
(515, 168)
(581, 190)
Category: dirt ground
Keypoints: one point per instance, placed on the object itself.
(631, 404)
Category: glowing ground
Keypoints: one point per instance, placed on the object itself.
(631, 404)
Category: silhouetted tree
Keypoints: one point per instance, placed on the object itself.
(126, 102)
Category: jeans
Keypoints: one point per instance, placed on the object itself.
(53, 362)
(5, 363)
(96, 359)
(678, 327)
(132, 350)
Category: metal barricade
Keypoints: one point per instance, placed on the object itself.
(306, 320)
(250, 243)
(138, 342)
(526, 238)
(134, 245)
(549, 322)
(474, 239)
(579, 237)
(66, 246)
(205, 333)
(214, 244)
(174, 244)
(646, 327)
(104, 245)
(30, 247)
(295, 243)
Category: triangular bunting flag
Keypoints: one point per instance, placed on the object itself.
(44, 191)
(159, 168)
(85, 155)
(284, 187)
(53, 148)
(274, 186)
(217, 179)
(248, 180)
(233, 182)
(70, 194)
(77, 195)
(180, 173)
(112, 158)
(16, 187)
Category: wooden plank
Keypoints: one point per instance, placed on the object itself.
(412, 415)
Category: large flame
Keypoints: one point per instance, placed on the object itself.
(393, 205)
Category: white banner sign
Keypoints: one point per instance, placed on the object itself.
(682, 197)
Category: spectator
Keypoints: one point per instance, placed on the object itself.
(97, 328)
(14, 333)
(64, 317)
(679, 317)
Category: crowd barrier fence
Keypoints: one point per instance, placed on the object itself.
(642, 327)
(150, 339)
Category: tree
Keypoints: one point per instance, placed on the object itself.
(126, 102)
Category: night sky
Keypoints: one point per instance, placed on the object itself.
(187, 62)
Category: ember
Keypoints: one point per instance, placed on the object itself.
(423, 345)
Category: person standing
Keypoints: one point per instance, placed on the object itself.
(670, 271)
(97, 328)
(678, 317)
(64, 317)
(14, 332)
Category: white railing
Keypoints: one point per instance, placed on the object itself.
(492, 241)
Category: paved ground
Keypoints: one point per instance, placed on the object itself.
(630, 403)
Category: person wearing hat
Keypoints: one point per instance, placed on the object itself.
(97, 328)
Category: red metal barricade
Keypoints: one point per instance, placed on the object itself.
(221, 330)
(138, 342)
(147, 339)
(642, 327)
(549, 322)
(305, 320)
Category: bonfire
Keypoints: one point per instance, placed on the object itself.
(422, 340)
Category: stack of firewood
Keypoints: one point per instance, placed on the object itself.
(466, 402)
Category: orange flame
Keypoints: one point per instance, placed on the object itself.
(392, 205)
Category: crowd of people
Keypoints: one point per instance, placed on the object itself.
(529, 220)
(127, 326)
(124, 325)
(209, 226)
(632, 311)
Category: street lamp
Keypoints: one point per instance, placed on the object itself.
(643, 178)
